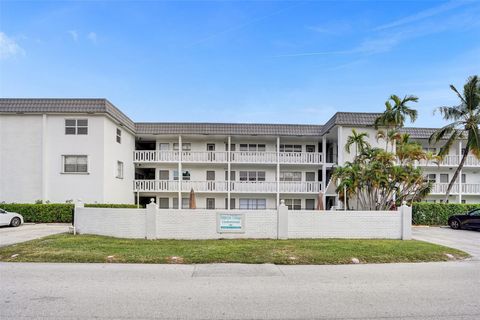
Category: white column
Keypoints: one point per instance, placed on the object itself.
(180, 176)
(229, 150)
(460, 173)
(340, 145)
(151, 220)
(406, 224)
(278, 172)
(324, 168)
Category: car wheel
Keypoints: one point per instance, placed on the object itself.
(455, 224)
(15, 222)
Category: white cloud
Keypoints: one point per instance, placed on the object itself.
(425, 14)
(92, 36)
(9, 47)
(74, 35)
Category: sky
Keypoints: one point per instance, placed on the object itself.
(240, 61)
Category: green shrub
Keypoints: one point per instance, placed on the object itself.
(42, 213)
(424, 213)
(110, 205)
(54, 212)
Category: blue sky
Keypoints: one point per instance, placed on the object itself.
(233, 61)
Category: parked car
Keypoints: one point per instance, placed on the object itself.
(469, 220)
(12, 219)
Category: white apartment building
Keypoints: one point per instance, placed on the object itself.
(59, 150)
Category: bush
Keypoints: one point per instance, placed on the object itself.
(52, 213)
(42, 213)
(424, 213)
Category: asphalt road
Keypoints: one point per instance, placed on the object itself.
(448, 290)
(27, 232)
(465, 240)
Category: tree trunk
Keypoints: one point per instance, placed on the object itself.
(455, 175)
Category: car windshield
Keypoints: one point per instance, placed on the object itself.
(475, 213)
(2, 211)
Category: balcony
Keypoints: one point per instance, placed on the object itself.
(221, 186)
(253, 157)
(452, 161)
(467, 188)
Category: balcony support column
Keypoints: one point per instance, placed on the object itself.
(324, 168)
(180, 175)
(460, 173)
(229, 150)
(278, 173)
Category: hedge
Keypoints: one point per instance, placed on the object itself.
(52, 213)
(424, 213)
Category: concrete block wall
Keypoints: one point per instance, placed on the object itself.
(152, 223)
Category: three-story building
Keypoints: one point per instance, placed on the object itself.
(59, 150)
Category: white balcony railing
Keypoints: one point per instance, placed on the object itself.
(453, 161)
(260, 157)
(300, 157)
(253, 157)
(221, 186)
(300, 187)
(467, 188)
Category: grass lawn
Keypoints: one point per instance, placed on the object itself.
(88, 248)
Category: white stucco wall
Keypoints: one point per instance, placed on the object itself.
(20, 158)
(118, 190)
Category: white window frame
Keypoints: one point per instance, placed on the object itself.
(119, 135)
(290, 176)
(252, 204)
(65, 156)
(120, 170)
(76, 126)
(187, 146)
(186, 175)
(293, 204)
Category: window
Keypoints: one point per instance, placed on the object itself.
(164, 146)
(232, 147)
(252, 176)
(290, 148)
(310, 148)
(252, 147)
(431, 177)
(210, 175)
(76, 126)
(210, 203)
(463, 201)
(119, 169)
(232, 175)
(75, 164)
(210, 146)
(310, 204)
(163, 175)
(464, 178)
(232, 203)
(185, 203)
(163, 203)
(293, 204)
(475, 213)
(119, 135)
(253, 204)
(185, 146)
(185, 175)
(443, 177)
(290, 176)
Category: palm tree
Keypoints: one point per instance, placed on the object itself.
(466, 122)
(358, 139)
(395, 116)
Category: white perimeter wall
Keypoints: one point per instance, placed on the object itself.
(202, 224)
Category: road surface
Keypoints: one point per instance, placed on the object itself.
(447, 290)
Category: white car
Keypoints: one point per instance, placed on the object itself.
(12, 219)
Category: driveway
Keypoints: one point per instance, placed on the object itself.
(27, 232)
(465, 240)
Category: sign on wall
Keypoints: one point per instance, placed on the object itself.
(230, 223)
